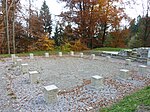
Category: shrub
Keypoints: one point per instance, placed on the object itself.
(44, 43)
(135, 42)
(78, 46)
(66, 47)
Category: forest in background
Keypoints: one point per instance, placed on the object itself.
(85, 24)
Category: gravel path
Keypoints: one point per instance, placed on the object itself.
(71, 74)
(5, 101)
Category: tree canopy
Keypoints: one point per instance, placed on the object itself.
(83, 24)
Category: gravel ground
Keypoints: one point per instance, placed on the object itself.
(72, 76)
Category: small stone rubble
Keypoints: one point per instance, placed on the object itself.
(73, 76)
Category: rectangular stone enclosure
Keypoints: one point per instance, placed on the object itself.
(50, 93)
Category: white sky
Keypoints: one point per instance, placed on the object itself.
(56, 8)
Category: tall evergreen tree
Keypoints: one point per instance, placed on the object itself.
(59, 34)
(46, 18)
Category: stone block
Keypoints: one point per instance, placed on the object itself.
(108, 58)
(142, 69)
(46, 55)
(148, 62)
(148, 53)
(81, 55)
(18, 62)
(128, 61)
(24, 68)
(60, 54)
(97, 81)
(34, 76)
(93, 56)
(13, 57)
(124, 73)
(31, 55)
(71, 53)
(50, 93)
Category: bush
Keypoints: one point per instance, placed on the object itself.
(78, 46)
(135, 42)
(66, 47)
(44, 43)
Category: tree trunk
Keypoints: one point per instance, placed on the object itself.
(14, 48)
(7, 27)
(104, 34)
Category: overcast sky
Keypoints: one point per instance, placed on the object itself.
(56, 8)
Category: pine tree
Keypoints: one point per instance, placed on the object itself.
(58, 34)
(46, 18)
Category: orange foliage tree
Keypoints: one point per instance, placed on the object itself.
(93, 18)
(117, 38)
(44, 43)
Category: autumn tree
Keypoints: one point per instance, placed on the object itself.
(45, 16)
(9, 11)
(36, 29)
(44, 43)
(117, 38)
(81, 13)
(93, 17)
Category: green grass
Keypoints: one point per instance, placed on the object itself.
(108, 49)
(130, 103)
(36, 53)
(4, 55)
(40, 53)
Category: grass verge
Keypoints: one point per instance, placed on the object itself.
(108, 49)
(130, 103)
(36, 53)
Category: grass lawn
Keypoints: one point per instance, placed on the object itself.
(40, 53)
(108, 49)
(36, 53)
(130, 103)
